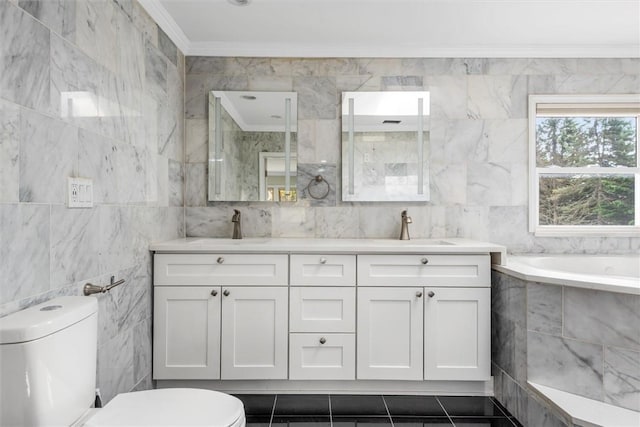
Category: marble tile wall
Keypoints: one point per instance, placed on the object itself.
(90, 89)
(593, 349)
(582, 341)
(390, 171)
(477, 153)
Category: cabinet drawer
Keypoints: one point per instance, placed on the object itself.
(321, 269)
(220, 269)
(424, 270)
(322, 357)
(320, 309)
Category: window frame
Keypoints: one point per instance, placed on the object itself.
(536, 172)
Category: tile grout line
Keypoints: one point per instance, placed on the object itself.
(507, 416)
(503, 412)
(445, 411)
(273, 409)
(387, 408)
(498, 406)
(330, 413)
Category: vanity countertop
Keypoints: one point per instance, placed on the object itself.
(308, 245)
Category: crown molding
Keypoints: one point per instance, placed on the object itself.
(342, 50)
(165, 21)
(395, 51)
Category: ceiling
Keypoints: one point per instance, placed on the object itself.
(402, 28)
(260, 111)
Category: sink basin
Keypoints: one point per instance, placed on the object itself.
(435, 242)
(223, 241)
(319, 244)
(416, 242)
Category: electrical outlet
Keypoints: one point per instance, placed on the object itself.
(367, 158)
(80, 192)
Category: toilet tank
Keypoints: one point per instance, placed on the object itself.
(48, 362)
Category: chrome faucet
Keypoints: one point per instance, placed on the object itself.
(404, 231)
(237, 228)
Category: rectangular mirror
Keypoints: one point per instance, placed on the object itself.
(385, 137)
(252, 146)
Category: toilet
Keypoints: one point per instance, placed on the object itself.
(48, 372)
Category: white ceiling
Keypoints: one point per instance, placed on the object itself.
(402, 28)
(261, 111)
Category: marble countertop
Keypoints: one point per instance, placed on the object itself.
(361, 246)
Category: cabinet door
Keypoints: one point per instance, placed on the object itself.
(389, 339)
(457, 334)
(254, 333)
(186, 333)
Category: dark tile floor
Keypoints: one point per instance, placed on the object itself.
(319, 410)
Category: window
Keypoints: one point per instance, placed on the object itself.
(583, 162)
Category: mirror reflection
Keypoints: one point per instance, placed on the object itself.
(252, 146)
(385, 138)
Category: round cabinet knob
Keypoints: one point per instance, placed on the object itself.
(214, 293)
(323, 260)
(226, 293)
(424, 261)
(323, 340)
(220, 260)
(431, 294)
(419, 294)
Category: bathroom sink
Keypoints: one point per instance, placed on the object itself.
(223, 241)
(373, 242)
(415, 242)
(437, 242)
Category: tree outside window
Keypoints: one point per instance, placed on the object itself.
(585, 174)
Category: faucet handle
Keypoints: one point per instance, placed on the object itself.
(404, 229)
(237, 228)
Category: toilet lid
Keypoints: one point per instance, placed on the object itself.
(169, 407)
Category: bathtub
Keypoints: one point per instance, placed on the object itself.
(579, 346)
(613, 273)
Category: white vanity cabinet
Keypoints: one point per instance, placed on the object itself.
(424, 270)
(186, 332)
(322, 342)
(227, 269)
(390, 333)
(254, 333)
(323, 270)
(220, 316)
(457, 333)
(330, 315)
(447, 315)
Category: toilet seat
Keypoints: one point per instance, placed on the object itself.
(171, 407)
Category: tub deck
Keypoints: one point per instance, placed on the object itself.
(586, 412)
(605, 273)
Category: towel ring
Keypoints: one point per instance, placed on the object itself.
(316, 182)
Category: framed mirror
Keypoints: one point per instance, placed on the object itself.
(252, 146)
(385, 139)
